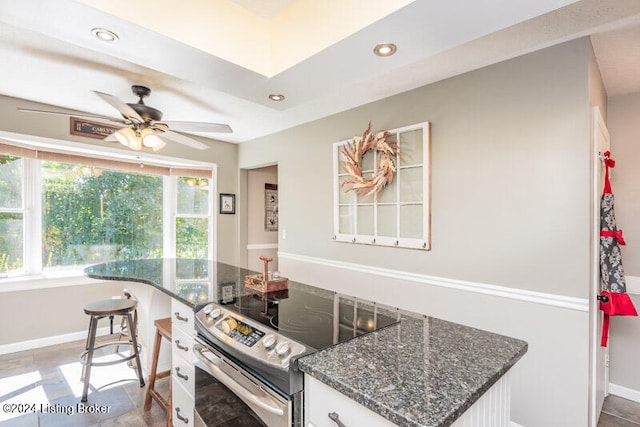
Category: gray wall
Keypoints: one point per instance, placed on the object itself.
(510, 171)
(42, 313)
(510, 207)
(624, 127)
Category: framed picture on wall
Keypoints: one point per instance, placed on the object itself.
(227, 203)
(271, 207)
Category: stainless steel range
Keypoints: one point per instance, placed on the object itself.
(248, 345)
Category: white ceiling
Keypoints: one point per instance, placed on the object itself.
(267, 9)
(48, 55)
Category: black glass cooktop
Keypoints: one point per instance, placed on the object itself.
(312, 316)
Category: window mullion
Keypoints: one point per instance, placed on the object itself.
(169, 216)
(32, 204)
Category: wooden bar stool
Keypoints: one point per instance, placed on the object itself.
(163, 329)
(98, 310)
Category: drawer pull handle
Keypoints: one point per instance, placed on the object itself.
(180, 417)
(184, 319)
(336, 419)
(181, 347)
(183, 376)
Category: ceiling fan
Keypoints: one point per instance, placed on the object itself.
(144, 124)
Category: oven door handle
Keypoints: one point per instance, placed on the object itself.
(212, 362)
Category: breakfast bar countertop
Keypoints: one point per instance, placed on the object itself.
(190, 281)
(422, 371)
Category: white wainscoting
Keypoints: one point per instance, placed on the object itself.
(580, 304)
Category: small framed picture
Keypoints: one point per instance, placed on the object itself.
(227, 203)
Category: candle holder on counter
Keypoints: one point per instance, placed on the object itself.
(266, 282)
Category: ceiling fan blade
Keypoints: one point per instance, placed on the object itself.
(82, 116)
(199, 127)
(183, 139)
(123, 108)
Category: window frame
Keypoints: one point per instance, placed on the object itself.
(32, 203)
(422, 243)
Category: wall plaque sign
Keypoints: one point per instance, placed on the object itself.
(91, 129)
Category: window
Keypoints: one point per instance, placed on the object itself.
(192, 217)
(66, 214)
(92, 215)
(12, 212)
(401, 215)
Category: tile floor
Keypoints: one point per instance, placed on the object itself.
(49, 378)
(619, 412)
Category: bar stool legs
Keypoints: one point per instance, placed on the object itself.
(163, 329)
(98, 310)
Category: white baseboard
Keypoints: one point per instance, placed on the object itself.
(624, 392)
(512, 424)
(47, 341)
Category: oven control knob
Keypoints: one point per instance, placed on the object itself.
(283, 348)
(269, 341)
(215, 313)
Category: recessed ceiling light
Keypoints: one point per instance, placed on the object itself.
(385, 49)
(276, 97)
(105, 35)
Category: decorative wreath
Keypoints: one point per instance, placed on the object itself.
(355, 150)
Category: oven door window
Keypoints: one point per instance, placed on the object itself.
(218, 406)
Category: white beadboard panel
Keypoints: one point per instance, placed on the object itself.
(491, 410)
(580, 304)
(555, 327)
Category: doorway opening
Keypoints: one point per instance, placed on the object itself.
(261, 220)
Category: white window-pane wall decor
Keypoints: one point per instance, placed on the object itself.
(399, 215)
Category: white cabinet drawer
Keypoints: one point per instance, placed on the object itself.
(184, 373)
(181, 316)
(182, 345)
(320, 400)
(183, 406)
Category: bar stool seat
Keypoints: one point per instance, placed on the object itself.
(163, 329)
(98, 310)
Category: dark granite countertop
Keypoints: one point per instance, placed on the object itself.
(191, 281)
(421, 372)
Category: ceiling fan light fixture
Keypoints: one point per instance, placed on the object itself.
(136, 144)
(149, 138)
(105, 35)
(125, 136)
(385, 49)
(159, 146)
